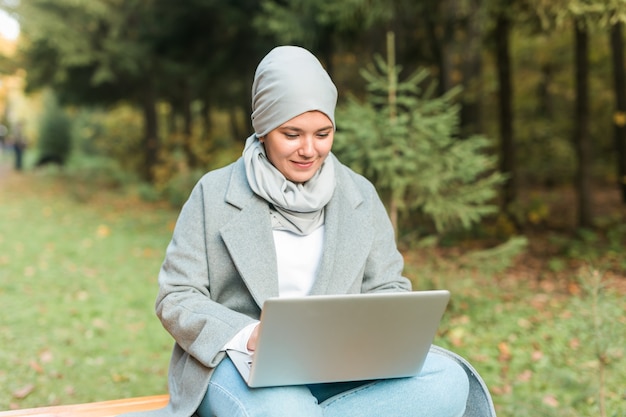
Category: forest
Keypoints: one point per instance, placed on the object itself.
(544, 82)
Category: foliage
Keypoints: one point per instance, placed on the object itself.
(410, 149)
(113, 133)
(108, 52)
(55, 141)
(602, 249)
(308, 23)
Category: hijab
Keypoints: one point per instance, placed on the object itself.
(289, 81)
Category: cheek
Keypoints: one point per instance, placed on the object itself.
(327, 146)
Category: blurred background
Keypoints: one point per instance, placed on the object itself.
(160, 88)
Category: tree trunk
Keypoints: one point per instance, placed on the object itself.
(448, 12)
(206, 119)
(581, 124)
(438, 46)
(619, 118)
(505, 92)
(192, 161)
(472, 66)
(151, 142)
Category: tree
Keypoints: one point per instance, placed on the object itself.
(320, 25)
(579, 14)
(103, 52)
(406, 140)
(619, 118)
(91, 52)
(581, 139)
(501, 35)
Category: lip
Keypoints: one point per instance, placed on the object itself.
(303, 165)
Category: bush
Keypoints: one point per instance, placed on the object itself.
(55, 127)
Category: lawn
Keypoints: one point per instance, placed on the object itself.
(78, 282)
(77, 289)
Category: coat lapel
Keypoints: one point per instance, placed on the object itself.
(248, 238)
(348, 239)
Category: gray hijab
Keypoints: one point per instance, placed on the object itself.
(289, 81)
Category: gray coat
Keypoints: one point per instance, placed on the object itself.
(220, 267)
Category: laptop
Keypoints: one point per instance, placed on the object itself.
(336, 338)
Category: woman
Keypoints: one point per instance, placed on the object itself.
(287, 218)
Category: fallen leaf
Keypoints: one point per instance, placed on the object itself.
(45, 356)
(24, 391)
(120, 378)
(456, 336)
(103, 231)
(35, 366)
(525, 376)
(502, 390)
(505, 352)
(550, 400)
(573, 288)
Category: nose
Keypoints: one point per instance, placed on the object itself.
(307, 147)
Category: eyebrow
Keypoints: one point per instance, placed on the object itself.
(297, 129)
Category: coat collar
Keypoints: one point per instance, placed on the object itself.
(248, 237)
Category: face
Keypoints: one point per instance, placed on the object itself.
(298, 147)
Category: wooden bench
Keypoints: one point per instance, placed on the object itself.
(97, 409)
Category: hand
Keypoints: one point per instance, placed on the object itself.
(253, 339)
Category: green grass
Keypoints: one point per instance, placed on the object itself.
(77, 288)
(78, 282)
(535, 344)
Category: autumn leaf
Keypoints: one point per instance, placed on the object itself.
(550, 400)
(103, 231)
(505, 352)
(525, 376)
(456, 336)
(35, 366)
(24, 391)
(45, 356)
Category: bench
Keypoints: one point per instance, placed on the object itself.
(97, 409)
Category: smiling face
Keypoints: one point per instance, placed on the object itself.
(298, 147)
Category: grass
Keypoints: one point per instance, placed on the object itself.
(78, 282)
(77, 287)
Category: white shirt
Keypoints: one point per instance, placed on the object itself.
(298, 258)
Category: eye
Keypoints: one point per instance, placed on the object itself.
(291, 135)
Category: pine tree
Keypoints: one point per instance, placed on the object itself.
(406, 141)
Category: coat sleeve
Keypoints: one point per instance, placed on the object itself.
(184, 304)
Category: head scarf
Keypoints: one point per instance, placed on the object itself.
(289, 81)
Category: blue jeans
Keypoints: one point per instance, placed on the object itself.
(441, 390)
